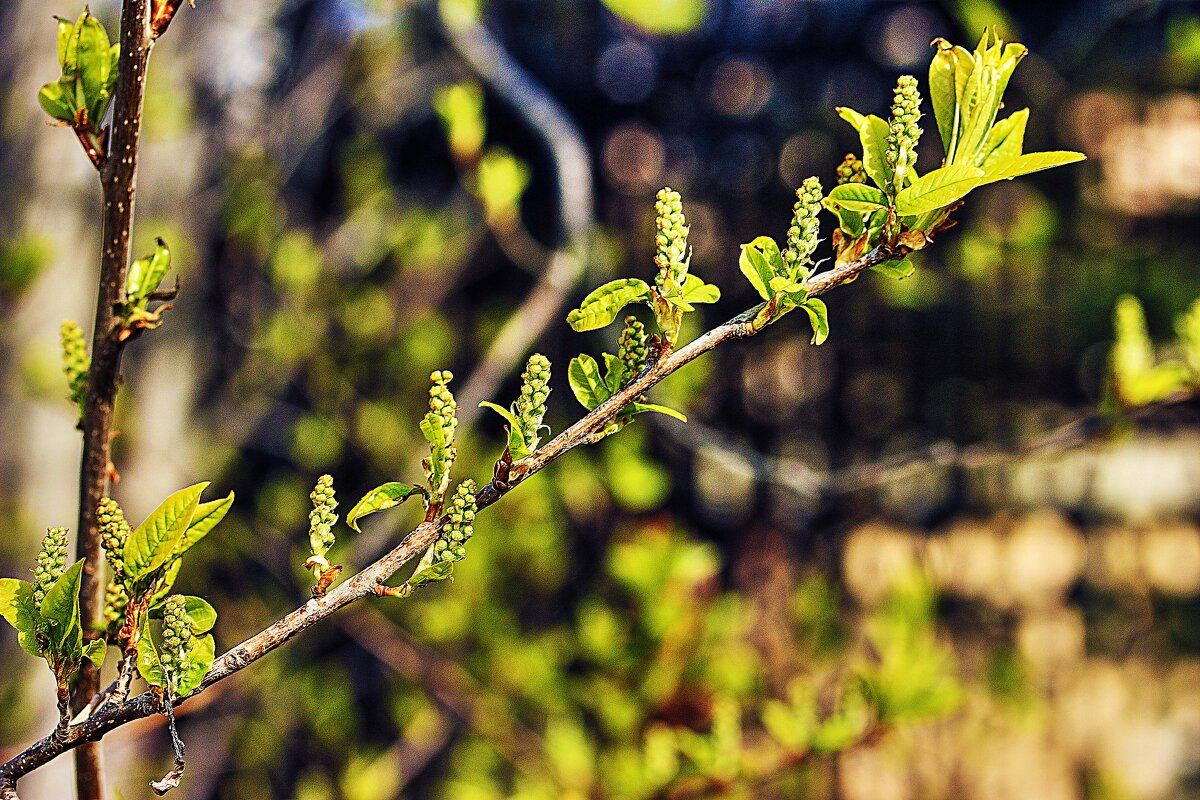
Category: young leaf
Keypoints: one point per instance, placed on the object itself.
(584, 376)
(896, 268)
(207, 517)
(937, 189)
(603, 305)
(434, 572)
(148, 664)
(198, 656)
(819, 317)
(56, 102)
(941, 91)
(1030, 162)
(60, 613)
(16, 606)
(156, 539)
(633, 409)
(873, 134)
(760, 261)
(697, 291)
(147, 273)
(615, 373)
(381, 498)
(94, 651)
(1005, 140)
(516, 436)
(201, 613)
(95, 66)
(858, 197)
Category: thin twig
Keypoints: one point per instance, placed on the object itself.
(118, 180)
(364, 583)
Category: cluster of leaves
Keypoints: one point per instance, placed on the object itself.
(45, 612)
(145, 563)
(899, 207)
(81, 96)
(142, 282)
(1136, 377)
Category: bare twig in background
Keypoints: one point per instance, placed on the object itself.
(118, 180)
(573, 172)
(366, 582)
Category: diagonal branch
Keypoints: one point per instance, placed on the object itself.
(364, 584)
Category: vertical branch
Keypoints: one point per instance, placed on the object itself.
(118, 180)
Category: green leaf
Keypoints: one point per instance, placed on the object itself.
(938, 189)
(154, 541)
(60, 614)
(65, 29)
(201, 613)
(94, 651)
(56, 102)
(874, 143)
(697, 291)
(851, 222)
(148, 664)
(381, 498)
(587, 385)
(147, 273)
(782, 283)
(760, 261)
(633, 409)
(1005, 140)
(437, 571)
(615, 376)
(858, 197)
(95, 66)
(941, 91)
(16, 606)
(818, 316)
(166, 581)
(516, 436)
(1030, 162)
(896, 268)
(198, 656)
(208, 516)
(603, 305)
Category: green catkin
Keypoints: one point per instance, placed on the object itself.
(451, 545)
(321, 519)
(903, 129)
(51, 562)
(115, 599)
(631, 347)
(535, 389)
(670, 240)
(850, 170)
(114, 532)
(442, 402)
(802, 237)
(175, 632)
(75, 362)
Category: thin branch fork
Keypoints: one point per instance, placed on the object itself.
(112, 715)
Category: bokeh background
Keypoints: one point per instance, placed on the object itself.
(652, 616)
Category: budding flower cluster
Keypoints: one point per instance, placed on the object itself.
(114, 532)
(850, 170)
(75, 362)
(441, 402)
(451, 545)
(802, 235)
(535, 389)
(321, 519)
(115, 599)
(670, 241)
(904, 132)
(51, 562)
(175, 632)
(631, 346)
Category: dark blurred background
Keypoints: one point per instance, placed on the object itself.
(333, 249)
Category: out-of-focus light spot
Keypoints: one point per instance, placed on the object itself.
(634, 157)
(876, 558)
(966, 560)
(1044, 556)
(905, 36)
(660, 16)
(740, 87)
(741, 163)
(627, 71)
(804, 154)
(1171, 559)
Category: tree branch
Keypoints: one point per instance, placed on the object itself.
(118, 179)
(363, 584)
